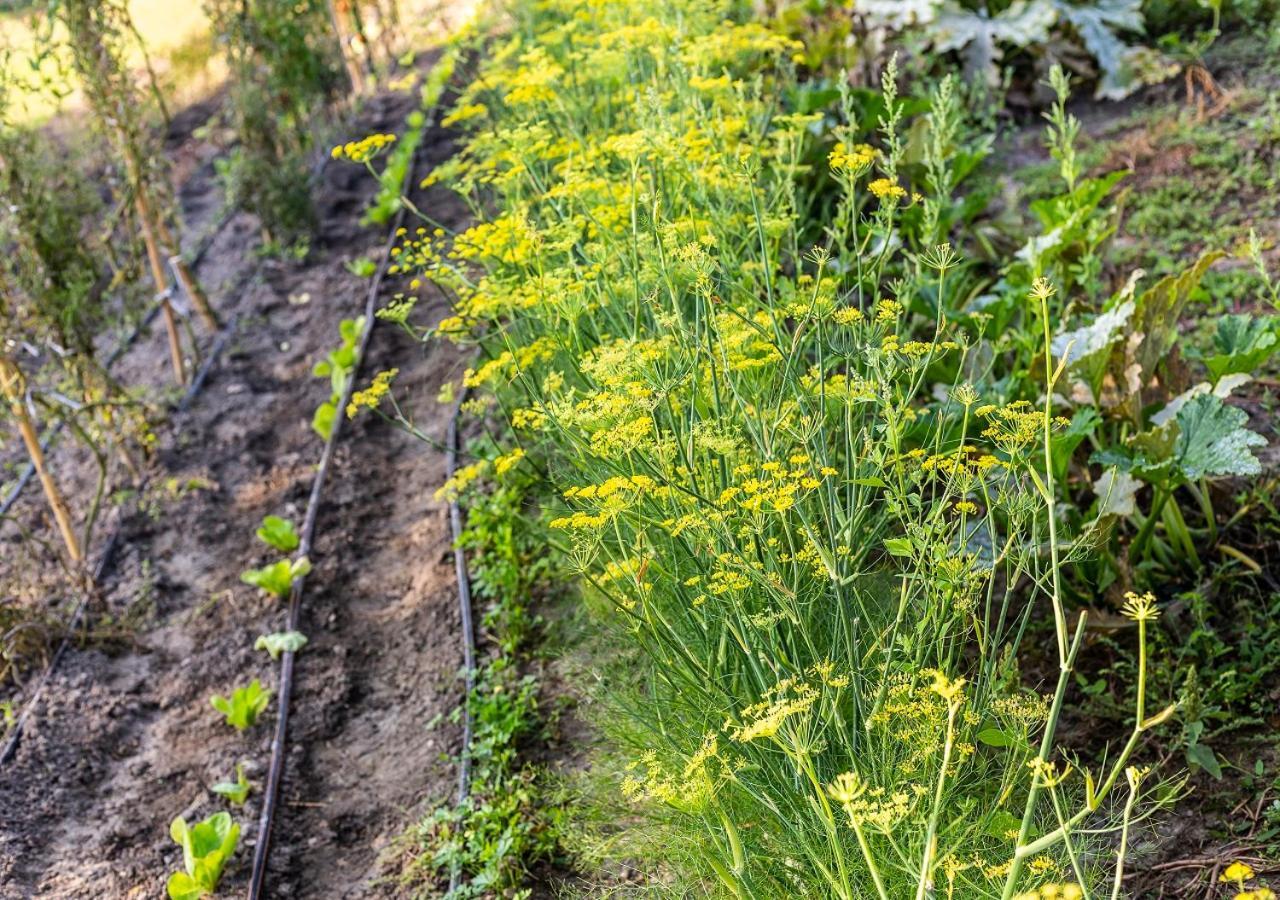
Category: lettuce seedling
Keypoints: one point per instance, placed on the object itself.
(281, 642)
(277, 578)
(206, 847)
(236, 791)
(279, 533)
(338, 366)
(244, 705)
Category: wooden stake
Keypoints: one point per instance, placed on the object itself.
(199, 299)
(162, 288)
(337, 9)
(13, 384)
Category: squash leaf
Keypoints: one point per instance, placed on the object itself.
(1213, 440)
(1241, 345)
(980, 36)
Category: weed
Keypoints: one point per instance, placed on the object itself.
(490, 839)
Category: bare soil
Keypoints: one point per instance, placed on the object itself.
(124, 739)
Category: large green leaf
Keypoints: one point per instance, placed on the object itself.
(1097, 23)
(1117, 493)
(978, 35)
(1155, 325)
(1087, 349)
(1241, 345)
(1213, 440)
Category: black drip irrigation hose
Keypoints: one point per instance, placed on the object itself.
(104, 560)
(452, 450)
(275, 774)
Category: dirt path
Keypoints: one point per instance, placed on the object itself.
(125, 739)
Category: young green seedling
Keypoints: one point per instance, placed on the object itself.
(244, 705)
(278, 533)
(236, 791)
(338, 366)
(206, 847)
(277, 578)
(281, 642)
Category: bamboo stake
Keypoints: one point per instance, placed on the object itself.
(162, 289)
(337, 8)
(199, 299)
(13, 385)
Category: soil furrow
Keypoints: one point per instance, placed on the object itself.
(125, 739)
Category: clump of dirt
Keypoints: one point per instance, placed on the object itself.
(124, 738)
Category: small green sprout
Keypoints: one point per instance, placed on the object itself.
(281, 642)
(338, 366)
(322, 422)
(363, 267)
(244, 706)
(206, 847)
(279, 533)
(277, 579)
(236, 791)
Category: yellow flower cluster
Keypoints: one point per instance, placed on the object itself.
(774, 486)
(1140, 608)
(1238, 873)
(884, 189)
(452, 489)
(370, 397)
(914, 716)
(787, 699)
(1052, 891)
(363, 150)
(611, 497)
(851, 160)
(872, 806)
(1016, 426)
(690, 790)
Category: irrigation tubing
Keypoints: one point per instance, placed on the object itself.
(104, 560)
(275, 774)
(452, 450)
